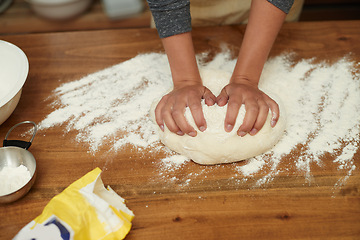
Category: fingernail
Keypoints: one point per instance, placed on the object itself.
(229, 127)
(202, 128)
(241, 133)
(273, 123)
(253, 131)
(192, 134)
(162, 127)
(180, 133)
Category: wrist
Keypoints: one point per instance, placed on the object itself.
(244, 79)
(185, 82)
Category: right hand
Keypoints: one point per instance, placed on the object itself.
(171, 108)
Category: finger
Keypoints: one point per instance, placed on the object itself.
(178, 115)
(275, 111)
(197, 113)
(232, 112)
(252, 111)
(168, 119)
(223, 98)
(158, 112)
(261, 118)
(209, 97)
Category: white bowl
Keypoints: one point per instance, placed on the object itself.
(14, 68)
(59, 9)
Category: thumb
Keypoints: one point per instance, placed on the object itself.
(223, 98)
(210, 98)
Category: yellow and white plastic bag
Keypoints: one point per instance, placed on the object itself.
(85, 210)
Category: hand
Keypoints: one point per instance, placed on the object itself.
(257, 105)
(171, 108)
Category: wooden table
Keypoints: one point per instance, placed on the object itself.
(20, 19)
(286, 208)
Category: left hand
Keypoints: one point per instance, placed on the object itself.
(257, 105)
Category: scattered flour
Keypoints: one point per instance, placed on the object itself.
(173, 162)
(13, 178)
(113, 102)
(250, 168)
(321, 103)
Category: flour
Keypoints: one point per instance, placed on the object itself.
(250, 168)
(321, 102)
(13, 178)
(113, 102)
(173, 162)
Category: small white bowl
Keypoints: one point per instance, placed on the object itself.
(59, 9)
(14, 68)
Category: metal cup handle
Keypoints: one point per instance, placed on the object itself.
(20, 143)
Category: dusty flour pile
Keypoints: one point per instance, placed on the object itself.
(115, 100)
(321, 102)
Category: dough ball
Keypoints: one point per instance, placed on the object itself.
(215, 145)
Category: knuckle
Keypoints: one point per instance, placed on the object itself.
(164, 113)
(172, 127)
(176, 113)
(235, 104)
(253, 110)
(264, 108)
(195, 107)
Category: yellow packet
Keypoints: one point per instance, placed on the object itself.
(85, 210)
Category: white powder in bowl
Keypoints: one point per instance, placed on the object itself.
(13, 178)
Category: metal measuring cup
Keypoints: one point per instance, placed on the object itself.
(13, 154)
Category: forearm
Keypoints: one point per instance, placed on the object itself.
(181, 55)
(188, 89)
(265, 21)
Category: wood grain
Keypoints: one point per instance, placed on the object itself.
(211, 207)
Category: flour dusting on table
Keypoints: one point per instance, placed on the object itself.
(321, 102)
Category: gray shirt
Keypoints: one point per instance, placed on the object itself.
(173, 16)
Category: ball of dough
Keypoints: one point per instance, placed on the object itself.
(215, 145)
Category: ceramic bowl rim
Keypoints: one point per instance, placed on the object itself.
(24, 68)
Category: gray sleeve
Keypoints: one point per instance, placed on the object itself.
(283, 5)
(171, 16)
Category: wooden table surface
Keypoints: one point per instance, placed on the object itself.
(211, 208)
(19, 19)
